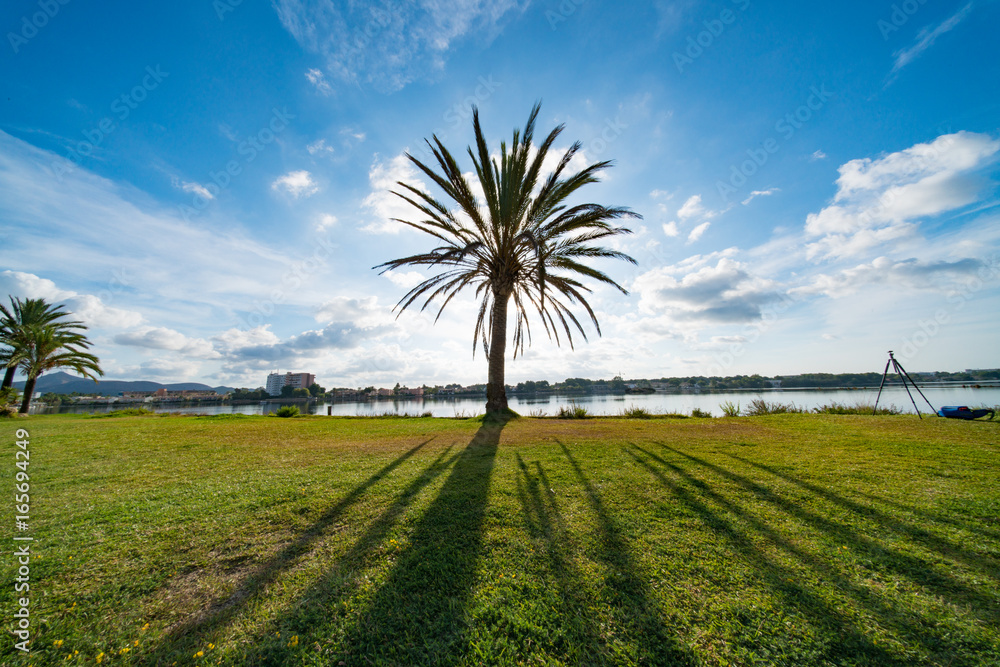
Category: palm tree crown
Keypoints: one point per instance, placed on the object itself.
(52, 348)
(522, 241)
(17, 324)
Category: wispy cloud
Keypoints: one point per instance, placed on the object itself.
(195, 188)
(760, 193)
(927, 37)
(319, 147)
(389, 45)
(698, 232)
(326, 221)
(318, 79)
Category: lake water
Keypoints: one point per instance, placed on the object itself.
(609, 404)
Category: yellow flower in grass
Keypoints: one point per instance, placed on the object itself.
(124, 651)
(57, 643)
(293, 642)
(199, 654)
(211, 646)
(144, 628)
(100, 657)
(136, 643)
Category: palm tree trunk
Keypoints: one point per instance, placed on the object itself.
(496, 390)
(29, 389)
(8, 377)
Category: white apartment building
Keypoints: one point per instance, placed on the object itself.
(276, 381)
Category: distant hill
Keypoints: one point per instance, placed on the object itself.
(64, 383)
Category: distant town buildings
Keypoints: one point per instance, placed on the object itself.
(277, 381)
(163, 394)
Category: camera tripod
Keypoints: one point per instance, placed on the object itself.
(904, 376)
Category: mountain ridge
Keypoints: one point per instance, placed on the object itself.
(64, 383)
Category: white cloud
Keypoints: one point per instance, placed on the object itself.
(692, 208)
(365, 312)
(236, 339)
(86, 308)
(162, 338)
(818, 155)
(882, 199)
(705, 294)
(162, 369)
(927, 37)
(326, 221)
(407, 280)
(318, 79)
(912, 274)
(384, 178)
(296, 183)
(388, 46)
(352, 134)
(661, 194)
(670, 229)
(698, 232)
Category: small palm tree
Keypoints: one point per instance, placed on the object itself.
(523, 242)
(16, 324)
(48, 348)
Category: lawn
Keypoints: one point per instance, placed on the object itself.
(780, 540)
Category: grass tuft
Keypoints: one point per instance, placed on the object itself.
(759, 407)
(730, 409)
(125, 412)
(635, 412)
(573, 411)
(858, 408)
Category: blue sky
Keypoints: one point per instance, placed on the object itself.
(206, 184)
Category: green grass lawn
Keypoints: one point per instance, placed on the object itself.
(780, 540)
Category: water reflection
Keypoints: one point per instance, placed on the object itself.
(610, 404)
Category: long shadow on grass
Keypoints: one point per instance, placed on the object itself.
(225, 609)
(909, 566)
(644, 622)
(976, 528)
(844, 639)
(579, 641)
(909, 624)
(418, 617)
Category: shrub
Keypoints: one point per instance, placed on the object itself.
(126, 412)
(635, 412)
(573, 411)
(538, 414)
(8, 402)
(859, 408)
(287, 411)
(730, 409)
(701, 414)
(759, 407)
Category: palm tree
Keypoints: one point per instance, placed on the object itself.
(523, 241)
(16, 323)
(48, 348)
